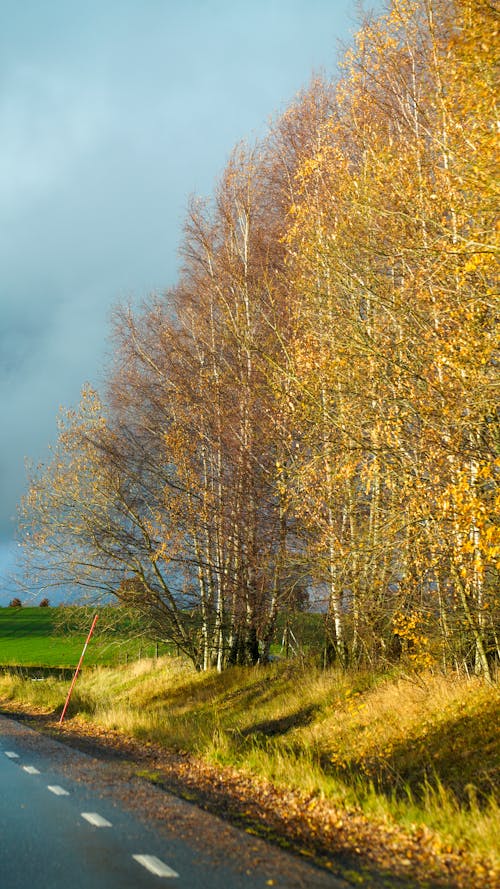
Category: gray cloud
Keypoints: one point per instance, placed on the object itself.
(111, 114)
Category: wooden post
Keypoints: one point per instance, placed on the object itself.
(78, 669)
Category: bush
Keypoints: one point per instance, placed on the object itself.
(44, 603)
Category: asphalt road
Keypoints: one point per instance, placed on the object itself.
(65, 821)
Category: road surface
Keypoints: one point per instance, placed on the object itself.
(66, 821)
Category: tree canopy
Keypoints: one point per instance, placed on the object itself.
(315, 404)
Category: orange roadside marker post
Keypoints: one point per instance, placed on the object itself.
(78, 669)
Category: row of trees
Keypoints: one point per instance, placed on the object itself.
(313, 406)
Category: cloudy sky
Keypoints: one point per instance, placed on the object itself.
(112, 112)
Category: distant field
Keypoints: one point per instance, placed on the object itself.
(34, 637)
(29, 637)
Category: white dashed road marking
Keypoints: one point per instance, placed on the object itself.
(95, 819)
(150, 862)
(155, 866)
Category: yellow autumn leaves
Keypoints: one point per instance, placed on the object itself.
(315, 405)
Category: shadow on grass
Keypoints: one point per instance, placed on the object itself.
(222, 690)
(271, 728)
(460, 756)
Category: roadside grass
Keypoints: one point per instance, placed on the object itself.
(412, 750)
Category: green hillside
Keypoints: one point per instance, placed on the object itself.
(54, 637)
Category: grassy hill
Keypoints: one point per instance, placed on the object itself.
(54, 637)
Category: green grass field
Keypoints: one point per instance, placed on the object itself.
(54, 637)
(32, 637)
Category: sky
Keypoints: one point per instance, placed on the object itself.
(112, 113)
